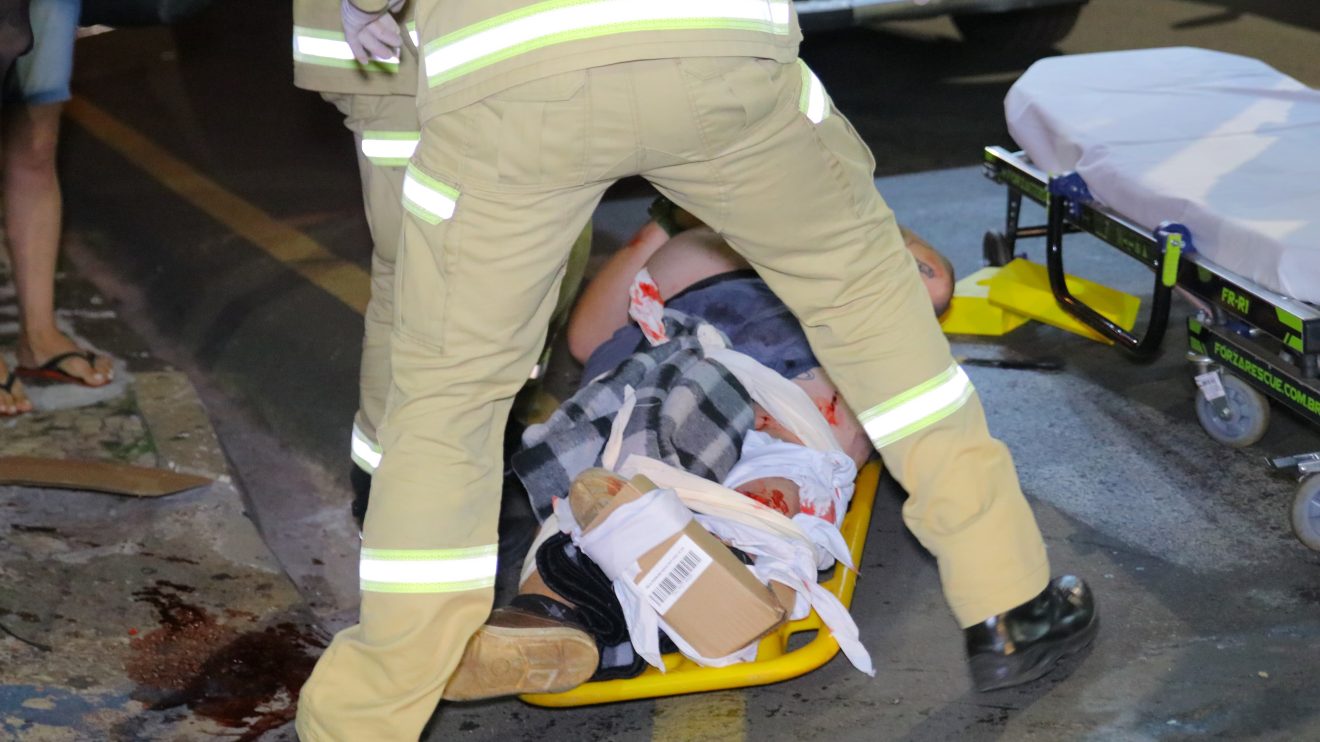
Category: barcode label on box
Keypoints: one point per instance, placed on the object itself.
(674, 574)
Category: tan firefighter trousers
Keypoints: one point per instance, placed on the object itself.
(385, 132)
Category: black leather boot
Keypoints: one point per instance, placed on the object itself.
(1025, 643)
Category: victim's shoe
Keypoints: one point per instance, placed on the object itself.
(594, 489)
(524, 648)
(1025, 643)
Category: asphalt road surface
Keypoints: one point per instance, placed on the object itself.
(220, 208)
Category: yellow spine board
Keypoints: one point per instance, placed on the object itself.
(1023, 287)
(971, 313)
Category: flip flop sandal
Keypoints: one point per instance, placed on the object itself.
(50, 371)
(8, 388)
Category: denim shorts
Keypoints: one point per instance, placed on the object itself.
(42, 75)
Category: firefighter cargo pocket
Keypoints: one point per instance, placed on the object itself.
(541, 125)
(422, 275)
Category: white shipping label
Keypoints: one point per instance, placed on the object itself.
(674, 574)
(1210, 385)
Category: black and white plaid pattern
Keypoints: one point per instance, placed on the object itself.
(691, 413)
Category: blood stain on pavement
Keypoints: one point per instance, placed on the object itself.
(239, 677)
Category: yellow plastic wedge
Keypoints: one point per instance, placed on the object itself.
(774, 660)
(1023, 287)
(970, 311)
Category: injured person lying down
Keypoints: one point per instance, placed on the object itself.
(699, 390)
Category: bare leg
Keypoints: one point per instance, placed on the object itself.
(32, 225)
(535, 585)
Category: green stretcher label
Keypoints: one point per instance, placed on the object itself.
(1271, 380)
(1230, 298)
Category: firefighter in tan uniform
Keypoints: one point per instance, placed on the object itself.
(379, 104)
(529, 111)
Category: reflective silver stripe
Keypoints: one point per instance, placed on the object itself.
(813, 101)
(412, 34)
(390, 148)
(558, 21)
(427, 198)
(330, 49)
(365, 452)
(918, 407)
(427, 570)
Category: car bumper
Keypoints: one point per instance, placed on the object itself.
(827, 14)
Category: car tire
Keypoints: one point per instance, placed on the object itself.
(1030, 29)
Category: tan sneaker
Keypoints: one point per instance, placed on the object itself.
(595, 488)
(521, 651)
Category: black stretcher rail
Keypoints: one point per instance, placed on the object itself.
(1292, 324)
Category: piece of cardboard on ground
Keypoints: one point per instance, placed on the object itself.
(95, 476)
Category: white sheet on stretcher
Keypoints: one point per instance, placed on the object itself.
(1224, 144)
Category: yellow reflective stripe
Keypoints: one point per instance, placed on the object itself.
(918, 407)
(330, 49)
(406, 555)
(427, 570)
(812, 101)
(390, 148)
(558, 21)
(427, 198)
(365, 452)
(411, 27)
(369, 586)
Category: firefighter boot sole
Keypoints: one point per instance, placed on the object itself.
(507, 661)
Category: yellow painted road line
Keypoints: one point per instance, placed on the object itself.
(341, 279)
(705, 717)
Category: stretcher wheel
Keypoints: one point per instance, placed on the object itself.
(1306, 512)
(996, 250)
(1248, 419)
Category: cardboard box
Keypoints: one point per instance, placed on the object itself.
(701, 590)
(786, 595)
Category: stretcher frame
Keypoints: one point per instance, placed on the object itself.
(775, 661)
(1267, 341)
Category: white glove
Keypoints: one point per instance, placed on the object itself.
(371, 34)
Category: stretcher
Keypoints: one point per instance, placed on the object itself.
(784, 654)
(1203, 167)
